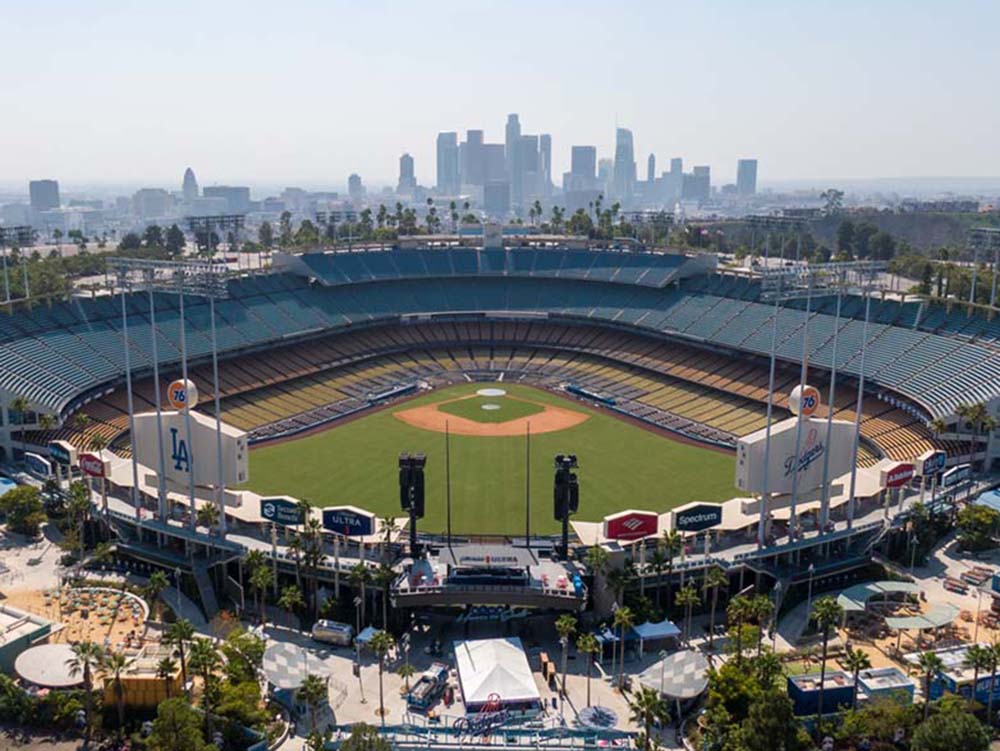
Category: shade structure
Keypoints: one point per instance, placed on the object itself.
(855, 598)
(491, 670)
(936, 617)
(598, 717)
(285, 665)
(47, 665)
(681, 675)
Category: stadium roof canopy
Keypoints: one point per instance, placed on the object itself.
(936, 617)
(488, 667)
(854, 599)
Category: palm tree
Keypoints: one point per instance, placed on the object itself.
(768, 667)
(157, 583)
(623, 621)
(715, 578)
(252, 561)
(688, 599)
(207, 516)
(647, 707)
(565, 627)
(86, 659)
(406, 671)
(294, 544)
(596, 559)
(312, 692)
(588, 645)
(388, 529)
(20, 405)
(179, 633)
(618, 580)
(737, 614)
(855, 660)
(657, 562)
(260, 580)
(291, 599)
(381, 644)
(673, 544)
(98, 443)
(165, 670)
(359, 578)
(761, 609)
(978, 658)
(384, 577)
(930, 665)
(112, 666)
(827, 613)
(46, 422)
(205, 661)
(994, 661)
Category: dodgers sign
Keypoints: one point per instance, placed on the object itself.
(280, 511)
(348, 521)
(697, 518)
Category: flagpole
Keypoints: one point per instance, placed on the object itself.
(527, 485)
(447, 475)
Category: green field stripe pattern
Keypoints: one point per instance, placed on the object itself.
(621, 466)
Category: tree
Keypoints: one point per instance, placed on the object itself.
(265, 235)
(359, 578)
(285, 229)
(205, 661)
(244, 655)
(153, 236)
(588, 645)
(826, 612)
(737, 613)
(596, 559)
(770, 725)
(688, 599)
(623, 621)
(994, 660)
(18, 411)
(165, 670)
(260, 580)
(406, 671)
(768, 668)
(761, 608)
(951, 730)
(112, 666)
(291, 599)
(673, 544)
(176, 728)
(175, 241)
(977, 526)
(364, 737)
(24, 510)
(647, 708)
(855, 660)
(207, 516)
(833, 201)
(657, 562)
(157, 583)
(384, 577)
(381, 644)
(179, 633)
(312, 692)
(86, 659)
(978, 658)
(565, 627)
(715, 578)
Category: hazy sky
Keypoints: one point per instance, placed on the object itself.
(286, 91)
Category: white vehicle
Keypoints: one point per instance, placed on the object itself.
(333, 632)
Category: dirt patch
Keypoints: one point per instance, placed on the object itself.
(549, 420)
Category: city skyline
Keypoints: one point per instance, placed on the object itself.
(820, 103)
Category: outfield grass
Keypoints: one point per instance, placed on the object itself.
(621, 466)
(510, 409)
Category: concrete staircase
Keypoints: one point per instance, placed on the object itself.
(206, 590)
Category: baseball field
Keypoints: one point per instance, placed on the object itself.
(622, 465)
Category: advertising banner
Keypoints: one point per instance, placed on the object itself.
(349, 521)
(697, 518)
(631, 525)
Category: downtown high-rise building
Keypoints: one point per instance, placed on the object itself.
(355, 188)
(746, 177)
(189, 186)
(545, 162)
(525, 179)
(407, 180)
(624, 169)
(472, 158)
(583, 165)
(512, 133)
(44, 194)
(448, 175)
(651, 169)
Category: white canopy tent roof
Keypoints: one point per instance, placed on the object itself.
(488, 667)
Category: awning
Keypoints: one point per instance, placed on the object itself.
(682, 675)
(853, 599)
(285, 665)
(936, 617)
(491, 668)
(650, 631)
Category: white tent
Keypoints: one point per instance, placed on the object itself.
(495, 669)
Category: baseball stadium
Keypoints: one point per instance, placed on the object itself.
(660, 373)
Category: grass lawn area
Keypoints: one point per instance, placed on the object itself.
(509, 409)
(621, 466)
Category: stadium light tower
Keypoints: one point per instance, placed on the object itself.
(411, 491)
(981, 241)
(565, 496)
(193, 278)
(21, 236)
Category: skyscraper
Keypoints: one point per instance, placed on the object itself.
(511, 135)
(746, 177)
(624, 169)
(472, 158)
(545, 162)
(44, 194)
(524, 181)
(651, 169)
(354, 188)
(583, 164)
(407, 182)
(190, 186)
(448, 181)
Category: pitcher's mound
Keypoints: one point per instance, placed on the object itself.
(491, 392)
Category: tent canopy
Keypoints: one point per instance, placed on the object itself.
(488, 667)
(650, 631)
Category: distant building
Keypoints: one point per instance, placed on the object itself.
(496, 199)
(355, 189)
(448, 176)
(472, 161)
(583, 165)
(697, 186)
(189, 187)
(525, 178)
(151, 203)
(44, 194)
(651, 169)
(512, 133)
(545, 162)
(237, 197)
(605, 174)
(407, 181)
(494, 159)
(746, 177)
(624, 169)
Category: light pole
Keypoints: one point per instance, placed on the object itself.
(774, 617)
(177, 581)
(913, 552)
(809, 596)
(979, 605)
(564, 643)
(357, 647)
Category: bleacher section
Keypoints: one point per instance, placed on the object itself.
(63, 355)
(703, 395)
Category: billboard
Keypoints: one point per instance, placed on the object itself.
(37, 465)
(282, 510)
(201, 457)
(631, 525)
(93, 465)
(62, 452)
(898, 474)
(349, 521)
(955, 475)
(931, 462)
(784, 464)
(696, 518)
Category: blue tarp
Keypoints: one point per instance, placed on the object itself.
(650, 631)
(990, 498)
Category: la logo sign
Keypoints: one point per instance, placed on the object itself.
(179, 452)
